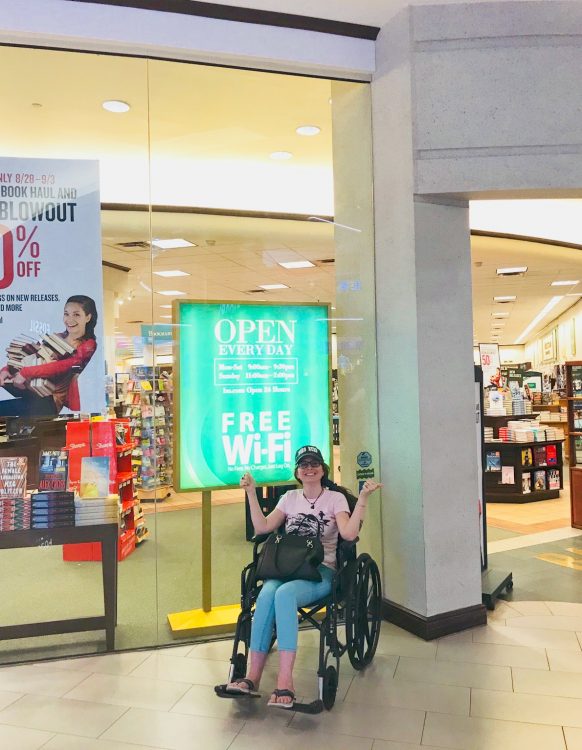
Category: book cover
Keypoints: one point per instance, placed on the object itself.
(540, 455)
(551, 455)
(539, 480)
(526, 457)
(507, 475)
(13, 476)
(526, 483)
(53, 470)
(554, 479)
(493, 461)
(94, 476)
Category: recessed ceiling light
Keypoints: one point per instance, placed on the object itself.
(171, 293)
(308, 130)
(500, 315)
(506, 298)
(298, 264)
(273, 286)
(511, 271)
(281, 155)
(172, 244)
(542, 314)
(167, 307)
(574, 294)
(170, 274)
(116, 105)
(497, 325)
(564, 283)
(166, 317)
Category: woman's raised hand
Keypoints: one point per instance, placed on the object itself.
(247, 481)
(370, 486)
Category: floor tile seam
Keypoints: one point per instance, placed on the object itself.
(50, 739)
(423, 728)
(83, 679)
(506, 721)
(18, 695)
(475, 687)
(486, 663)
(564, 737)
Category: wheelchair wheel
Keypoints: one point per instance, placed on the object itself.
(240, 667)
(330, 682)
(363, 612)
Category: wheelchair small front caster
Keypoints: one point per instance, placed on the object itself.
(330, 682)
(240, 667)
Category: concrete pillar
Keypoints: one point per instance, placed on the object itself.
(425, 372)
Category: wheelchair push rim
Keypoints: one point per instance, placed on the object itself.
(363, 612)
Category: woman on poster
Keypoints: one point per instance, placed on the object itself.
(55, 379)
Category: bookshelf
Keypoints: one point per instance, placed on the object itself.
(574, 405)
(526, 462)
(147, 402)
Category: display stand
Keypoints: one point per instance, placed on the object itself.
(574, 400)
(106, 536)
(511, 455)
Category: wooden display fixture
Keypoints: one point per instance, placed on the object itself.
(511, 456)
(574, 399)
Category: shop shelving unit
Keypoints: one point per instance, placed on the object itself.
(574, 401)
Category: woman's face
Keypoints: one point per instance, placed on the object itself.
(309, 470)
(75, 319)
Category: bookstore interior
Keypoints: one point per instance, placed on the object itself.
(175, 353)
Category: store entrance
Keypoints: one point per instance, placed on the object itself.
(527, 321)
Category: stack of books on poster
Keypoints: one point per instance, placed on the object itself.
(90, 511)
(24, 351)
(15, 514)
(52, 510)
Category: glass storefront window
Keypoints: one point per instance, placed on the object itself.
(209, 185)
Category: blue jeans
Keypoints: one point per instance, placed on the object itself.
(278, 602)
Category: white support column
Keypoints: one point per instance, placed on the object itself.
(425, 362)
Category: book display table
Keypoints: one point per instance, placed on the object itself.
(107, 535)
(524, 460)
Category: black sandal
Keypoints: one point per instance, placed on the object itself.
(282, 694)
(223, 691)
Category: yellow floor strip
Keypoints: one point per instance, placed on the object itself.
(197, 622)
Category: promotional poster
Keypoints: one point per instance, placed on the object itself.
(51, 336)
(253, 386)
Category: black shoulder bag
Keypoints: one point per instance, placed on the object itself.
(289, 557)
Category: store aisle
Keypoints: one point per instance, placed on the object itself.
(516, 682)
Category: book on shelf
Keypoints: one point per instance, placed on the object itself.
(551, 455)
(577, 415)
(94, 476)
(507, 475)
(53, 470)
(13, 471)
(526, 457)
(526, 482)
(493, 461)
(554, 479)
(539, 480)
(540, 455)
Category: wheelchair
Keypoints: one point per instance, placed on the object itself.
(355, 601)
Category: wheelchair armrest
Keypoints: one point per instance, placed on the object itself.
(343, 550)
(260, 538)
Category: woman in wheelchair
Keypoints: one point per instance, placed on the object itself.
(311, 510)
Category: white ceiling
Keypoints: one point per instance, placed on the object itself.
(209, 136)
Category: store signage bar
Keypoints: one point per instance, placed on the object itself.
(253, 384)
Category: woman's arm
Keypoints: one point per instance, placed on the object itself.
(349, 526)
(80, 358)
(261, 524)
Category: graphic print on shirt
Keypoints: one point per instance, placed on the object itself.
(307, 524)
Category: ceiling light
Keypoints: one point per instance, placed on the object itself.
(166, 317)
(551, 304)
(574, 294)
(308, 130)
(172, 244)
(511, 271)
(167, 307)
(564, 283)
(171, 293)
(497, 325)
(281, 155)
(273, 286)
(116, 105)
(506, 298)
(170, 274)
(500, 315)
(298, 264)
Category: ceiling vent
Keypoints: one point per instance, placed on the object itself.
(140, 245)
(134, 321)
(327, 260)
(255, 291)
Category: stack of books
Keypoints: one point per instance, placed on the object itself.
(53, 509)
(96, 510)
(24, 351)
(488, 434)
(15, 514)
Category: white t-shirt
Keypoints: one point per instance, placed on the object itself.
(302, 520)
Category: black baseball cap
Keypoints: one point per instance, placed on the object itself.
(308, 451)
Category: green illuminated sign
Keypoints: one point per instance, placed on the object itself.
(252, 386)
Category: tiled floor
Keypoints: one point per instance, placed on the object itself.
(515, 683)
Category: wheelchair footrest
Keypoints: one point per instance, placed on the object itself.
(222, 692)
(315, 707)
